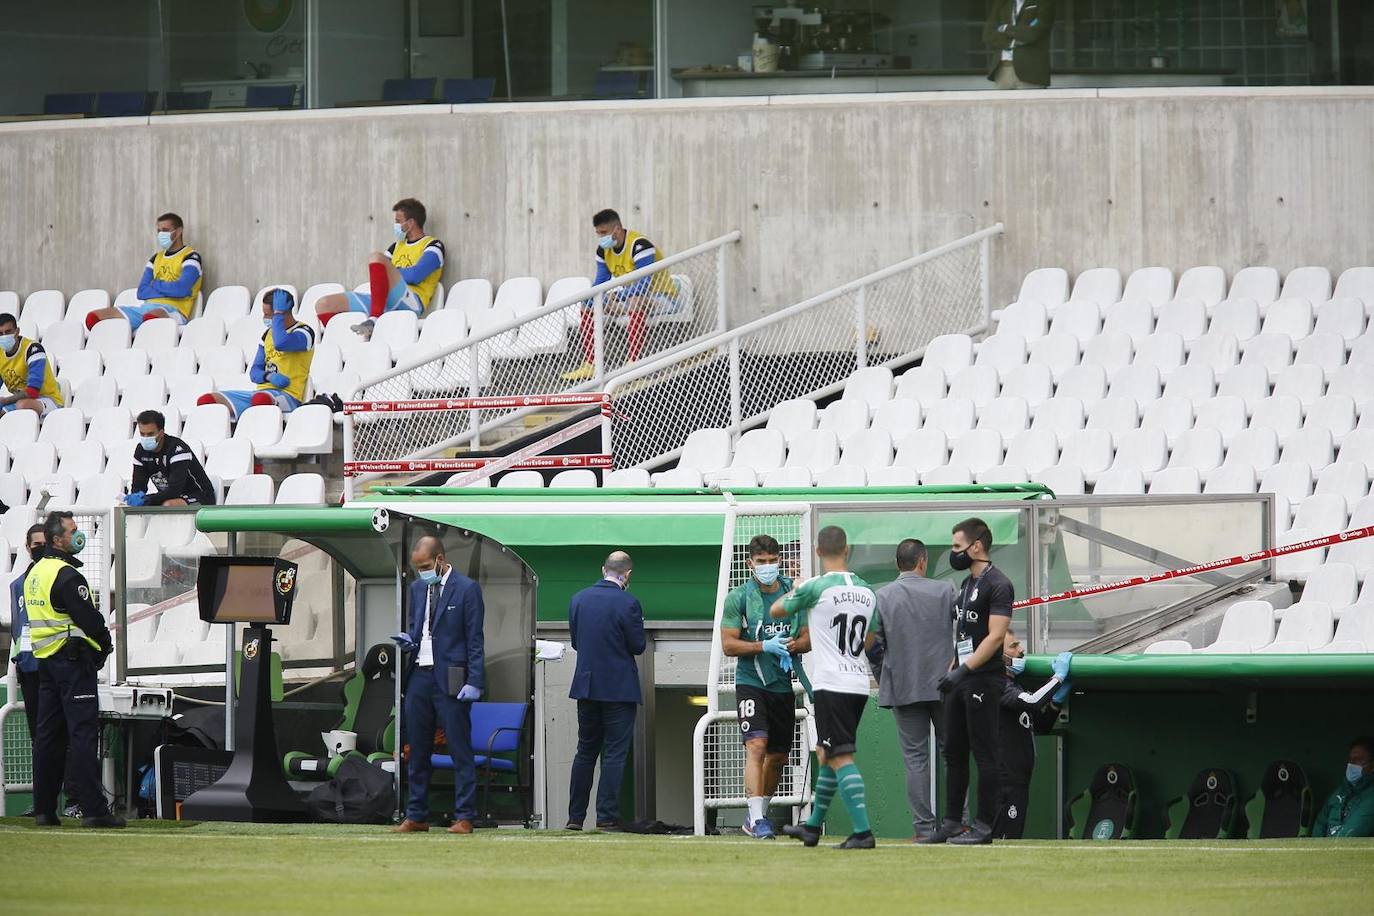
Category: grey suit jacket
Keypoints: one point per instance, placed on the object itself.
(917, 626)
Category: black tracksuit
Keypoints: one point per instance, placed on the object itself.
(1022, 716)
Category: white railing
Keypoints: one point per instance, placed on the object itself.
(806, 350)
(529, 355)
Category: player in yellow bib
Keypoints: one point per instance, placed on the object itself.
(170, 284)
(620, 251)
(26, 371)
(403, 277)
(281, 368)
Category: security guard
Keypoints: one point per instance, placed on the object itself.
(71, 643)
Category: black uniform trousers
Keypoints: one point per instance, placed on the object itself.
(28, 686)
(971, 722)
(68, 720)
(1013, 795)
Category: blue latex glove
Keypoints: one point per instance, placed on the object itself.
(281, 301)
(1061, 694)
(776, 645)
(1060, 665)
(785, 663)
(277, 380)
(404, 641)
(135, 499)
(469, 694)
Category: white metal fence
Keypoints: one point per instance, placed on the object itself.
(806, 350)
(685, 298)
(717, 749)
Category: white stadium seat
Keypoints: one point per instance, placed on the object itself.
(1047, 285)
(1324, 349)
(842, 477)
(1140, 382)
(1245, 627)
(1355, 381)
(230, 460)
(1314, 447)
(1336, 584)
(1334, 413)
(950, 475)
(1003, 473)
(1272, 351)
(1008, 415)
(1180, 480)
(309, 431)
(1238, 317)
(573, 479)
(1217, 352)
(1207, 283)
(251, 489)
(706, 450)
(733, 477)
(1033, 382)
(85, 302)
(1063, 479)
(1109, 350)
(1057, 352)
(952, 416)
(1003, 351)
(1154, 285)
(871, 386)
(1224, 414)
(1305, 626)
(894, 476)
(127, 365)
(1232, 477)
(1324, 512)
(950, 352)
(1101, 285)
(62, 427)
(1134, 318)
(1354, 631)
(305, 489)
(63, 337)
(844, 418)
(628, 478)
(978, 450)
(1311, 283)
(1146, 450)
(531, 480)
(1172, 414)
(869, 448)
(897, 417)
(1062, 416)
(260, 425)
(1164, 350)
(1292, 317)
(1122, 481)
(1080, 320)
(1087, 383)
(760, 450)
(1169, 647)
(1117, 416)
(1344, 317)
(1200, 449)
(1090, 450)
(204, 333)
(1359, 554)
(922, 450)
(979, 384)
(923, 384)
(1258, 283)
(791, 417)
(1348, 479)
(815, 450)
(95, 394)
(41, 310)
(230, 303)
(1028, 319)
(77, 367)
(1186, 318)
(1033, 449)
(787, 477)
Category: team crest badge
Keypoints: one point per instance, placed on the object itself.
(250, 651)
(286, 580)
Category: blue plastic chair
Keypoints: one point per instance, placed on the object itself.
(187, 101)
(61, 103)
(270, 97)
(616, 84)
(497, 728)
(459, 92)
(409, 90)
(124, 104)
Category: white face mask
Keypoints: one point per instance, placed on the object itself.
(398, 230)
(8, 342)
(1353, 773)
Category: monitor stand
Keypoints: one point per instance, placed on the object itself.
(253, 789)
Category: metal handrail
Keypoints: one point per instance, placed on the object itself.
(733, 335)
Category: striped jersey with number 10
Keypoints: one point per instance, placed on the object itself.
(838, 607)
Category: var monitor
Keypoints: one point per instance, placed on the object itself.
(253, 590)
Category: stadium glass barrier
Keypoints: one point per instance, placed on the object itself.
(155, 563)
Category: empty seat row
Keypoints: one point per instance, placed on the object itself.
(1310, 626)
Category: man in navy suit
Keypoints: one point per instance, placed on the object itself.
(607, 633)
(444, 641)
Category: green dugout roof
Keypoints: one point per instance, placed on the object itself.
(1193, 672)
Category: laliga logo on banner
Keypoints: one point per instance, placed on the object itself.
(567, 461)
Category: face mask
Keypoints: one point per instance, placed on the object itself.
(1017, 665)
(78, 542)
(149, 443)
(36, 553)
(1353, 773)
(164, 240)
(766, 573)
(959, 560)
(8, 342)
(429, 576)
(607, 242)
(398, 230)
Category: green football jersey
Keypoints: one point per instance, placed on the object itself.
(746, 607)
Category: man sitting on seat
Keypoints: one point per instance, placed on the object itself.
(1350, 809)
(26, 371)
(281, 368)
(620, 251)
(170, 283)
(168, 464)
(402, 277)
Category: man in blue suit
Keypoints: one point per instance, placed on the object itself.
(607, 633)
(447, 676)
(25, 665)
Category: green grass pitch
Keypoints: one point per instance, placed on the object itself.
(225, 868)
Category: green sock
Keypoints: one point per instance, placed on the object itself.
(825, 792)
(852, 790)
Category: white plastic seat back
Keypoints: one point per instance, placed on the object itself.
(1027, 319)
(1033, 382)
(761, 450)
(1245, 627)
(1047, 285)
(871, 386)
(1063, 479)
(1196, 383)
(1186, 318)
(527, 479)
(1003, 351)
(1057, 352)
(1134, 318)
(251, 490)
(1258, 283)
(1335, 584)
(1151, 284)
(706, 450)
(228, 303)
(950, 352)
(1088, 449)
(1033, 449)
(1310, 283)
(1080, 320)
(1101, 285)
(844, 418)
(979, 384)
(923, 384)
(898, 417)
(1238, 317)
(792, 417)
(1344, 317)
(922, 450)
(1008, 415)
(574, 479)
(787, 477)
(1292, 317)
(816, 450)
(305, 489)
(628, 478)
(952, 416)
(1180, 480)
(1207, 283)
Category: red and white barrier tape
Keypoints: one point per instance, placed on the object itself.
(1351, 535)
(531, 457)
(512, 402)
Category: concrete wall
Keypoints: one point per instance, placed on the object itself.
(824, 188)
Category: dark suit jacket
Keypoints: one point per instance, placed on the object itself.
(456, 629)
(1030, 56)
(607, 633)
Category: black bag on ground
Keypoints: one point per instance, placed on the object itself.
(359, 793)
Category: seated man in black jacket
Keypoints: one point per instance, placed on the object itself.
(1023, 715)
(168, 464)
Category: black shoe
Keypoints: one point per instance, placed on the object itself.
(28, 813)
(943, 834)
(573, 825)
(110, 821)
(859, 841)
(977, 835)
(809, 836)
(46, 820)
(609, 827)
(72, 811)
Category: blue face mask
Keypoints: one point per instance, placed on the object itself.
(1017, 665)
(164, 240)
(398, 230)
(8, 342)
(78, 541)
(766, 573)
(149, 443)
(607, 242)
(428, 577)
(1353, 773)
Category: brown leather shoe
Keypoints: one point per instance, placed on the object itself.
(461, 827)
(409, 826)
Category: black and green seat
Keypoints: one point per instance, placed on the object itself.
(1209, 811)
(1282, 807)
(369, 698)
(1107, 809)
